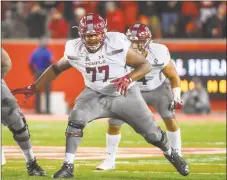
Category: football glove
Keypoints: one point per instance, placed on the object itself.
(27, 91)
(177, 103)
(122, 84)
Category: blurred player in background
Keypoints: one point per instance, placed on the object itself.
(40, 60)
(15, 120)
(196, 101)
(101, 57)
(155, 89)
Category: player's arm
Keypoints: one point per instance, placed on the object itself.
(141, 68)
(52, 72)
(6, 63)
(170, 72)
(139, 63)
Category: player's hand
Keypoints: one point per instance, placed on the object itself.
(27, 91)
(122, 84)
(176, 104)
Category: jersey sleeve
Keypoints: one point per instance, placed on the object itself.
(70, 53)
(120, 44)
(125, 43)
(163, 56)
(68, 50)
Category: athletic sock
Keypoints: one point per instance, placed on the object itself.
(69, 158)
(112, 142)
(26, 147)
(175, 140)
(72, 144)
(28, 155)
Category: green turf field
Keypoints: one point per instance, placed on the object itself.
(194, 134)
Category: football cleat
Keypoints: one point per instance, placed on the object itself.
(65, 172)
(106, 165)
(34, 169)
(178, 162)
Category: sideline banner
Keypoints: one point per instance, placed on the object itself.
(210, 67)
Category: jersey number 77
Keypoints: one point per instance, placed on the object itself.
(100, 69)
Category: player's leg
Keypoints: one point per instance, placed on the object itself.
(86, 109)
(160, 99)
(173, 129)
(113, 137)
(15, 121)
(174, 133)
(134, 111)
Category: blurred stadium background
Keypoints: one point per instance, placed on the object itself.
(194, 32)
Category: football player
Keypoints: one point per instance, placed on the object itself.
(15, 120)
(101, 57)
(155, 89)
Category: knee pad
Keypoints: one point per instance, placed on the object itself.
(20, 130)
(74, 129)
(163, 144)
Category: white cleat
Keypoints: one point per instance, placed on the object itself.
(106, 165)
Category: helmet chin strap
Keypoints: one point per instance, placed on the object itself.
(93, 49)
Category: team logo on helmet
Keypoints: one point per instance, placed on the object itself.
(140, 33)
(92, 24)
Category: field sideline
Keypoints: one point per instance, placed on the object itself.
(203, 142)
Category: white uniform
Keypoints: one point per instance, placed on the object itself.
(99, 68)
(99, 99)
(159, 56)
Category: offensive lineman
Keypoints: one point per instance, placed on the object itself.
(101, 57)
(15, 120)
(155, 91)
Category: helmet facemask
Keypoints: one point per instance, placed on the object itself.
(93, 41)
(140, 45)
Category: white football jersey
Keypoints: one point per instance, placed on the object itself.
(159, 56)
(99, 68)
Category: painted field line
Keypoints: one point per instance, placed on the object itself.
(93, 153)
(159, 172)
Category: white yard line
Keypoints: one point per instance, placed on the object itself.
(96, 153)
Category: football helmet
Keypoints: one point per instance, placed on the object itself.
(92, 24)
(140, 37)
